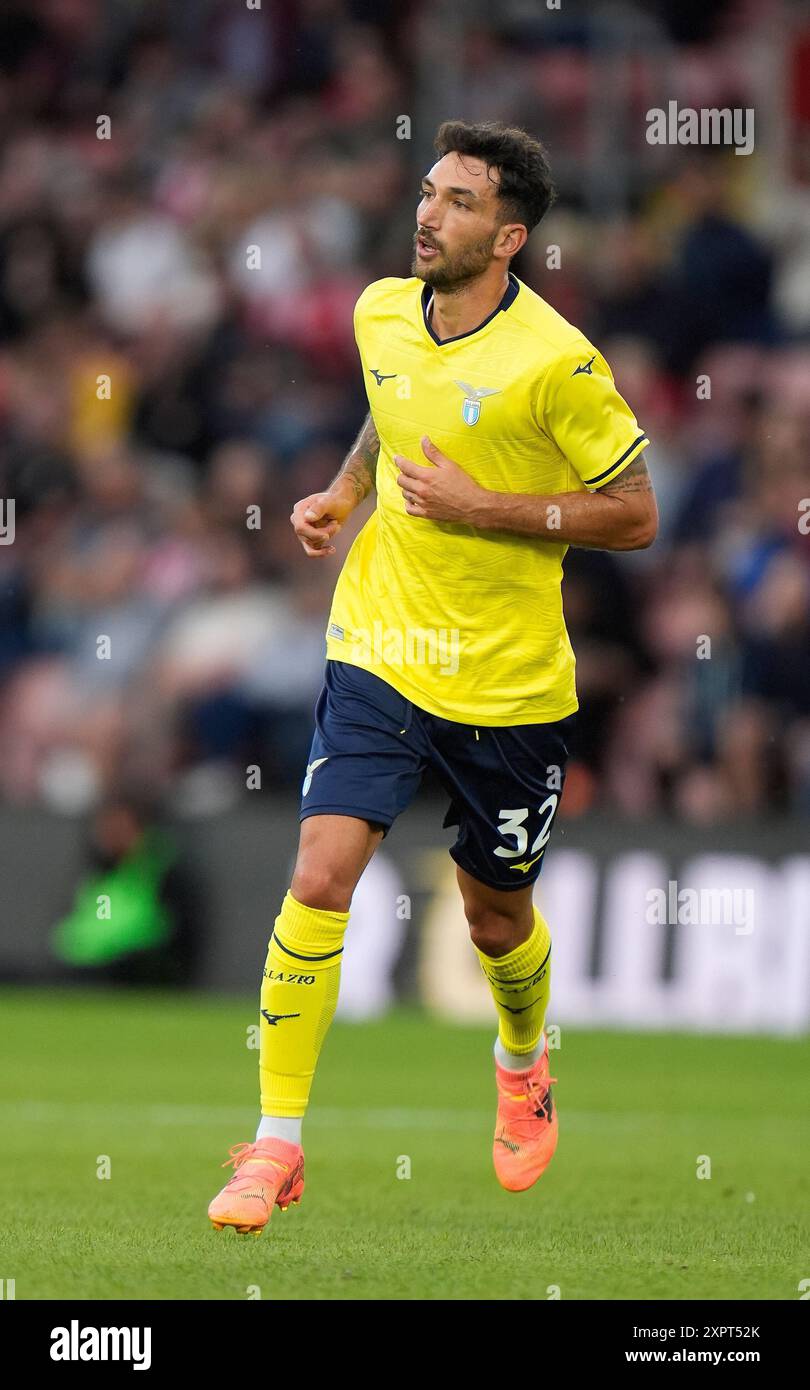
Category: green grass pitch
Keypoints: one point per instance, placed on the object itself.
(164, 1086)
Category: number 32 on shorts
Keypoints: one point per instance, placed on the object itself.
(512, 824)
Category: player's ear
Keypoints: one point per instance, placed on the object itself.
(515, 237)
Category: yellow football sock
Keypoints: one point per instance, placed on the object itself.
(521, 982)
(298, 1000)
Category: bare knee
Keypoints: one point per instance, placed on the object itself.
(313, 886)
(332, 854)
(493, 931)
(322, 880)
(498, 921)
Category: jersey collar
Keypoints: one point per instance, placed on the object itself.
(509, 295)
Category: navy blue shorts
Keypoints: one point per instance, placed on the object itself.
(371, 747)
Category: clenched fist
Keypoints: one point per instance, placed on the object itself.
(318, 518)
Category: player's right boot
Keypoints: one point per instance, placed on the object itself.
(268, 1173)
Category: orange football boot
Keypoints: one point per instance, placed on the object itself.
(526, 1126)
(267, 1173)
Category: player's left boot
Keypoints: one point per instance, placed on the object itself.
(267, 1173)
(526, 1127)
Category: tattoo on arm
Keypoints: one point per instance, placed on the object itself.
(360, 467)
(635, 478)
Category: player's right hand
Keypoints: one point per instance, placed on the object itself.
(318, 518)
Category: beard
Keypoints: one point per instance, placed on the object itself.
(452, 272)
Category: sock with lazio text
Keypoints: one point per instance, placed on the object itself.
(299, 996)
(521, 984)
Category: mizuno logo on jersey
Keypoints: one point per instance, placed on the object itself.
(378, 376)
(586, 369)
(471, 409)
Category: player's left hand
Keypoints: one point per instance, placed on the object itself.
(441, 493)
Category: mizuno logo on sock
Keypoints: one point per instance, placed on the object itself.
(274, 1018)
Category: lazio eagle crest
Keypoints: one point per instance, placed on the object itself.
(473, 395)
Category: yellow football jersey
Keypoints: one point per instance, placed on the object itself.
(468, 623)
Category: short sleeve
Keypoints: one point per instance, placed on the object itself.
(579, 407)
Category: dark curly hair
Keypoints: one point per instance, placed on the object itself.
(526, 189)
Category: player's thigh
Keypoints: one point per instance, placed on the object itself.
(333, 852)
(364, 766)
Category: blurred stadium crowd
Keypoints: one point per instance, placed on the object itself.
(234, 385)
